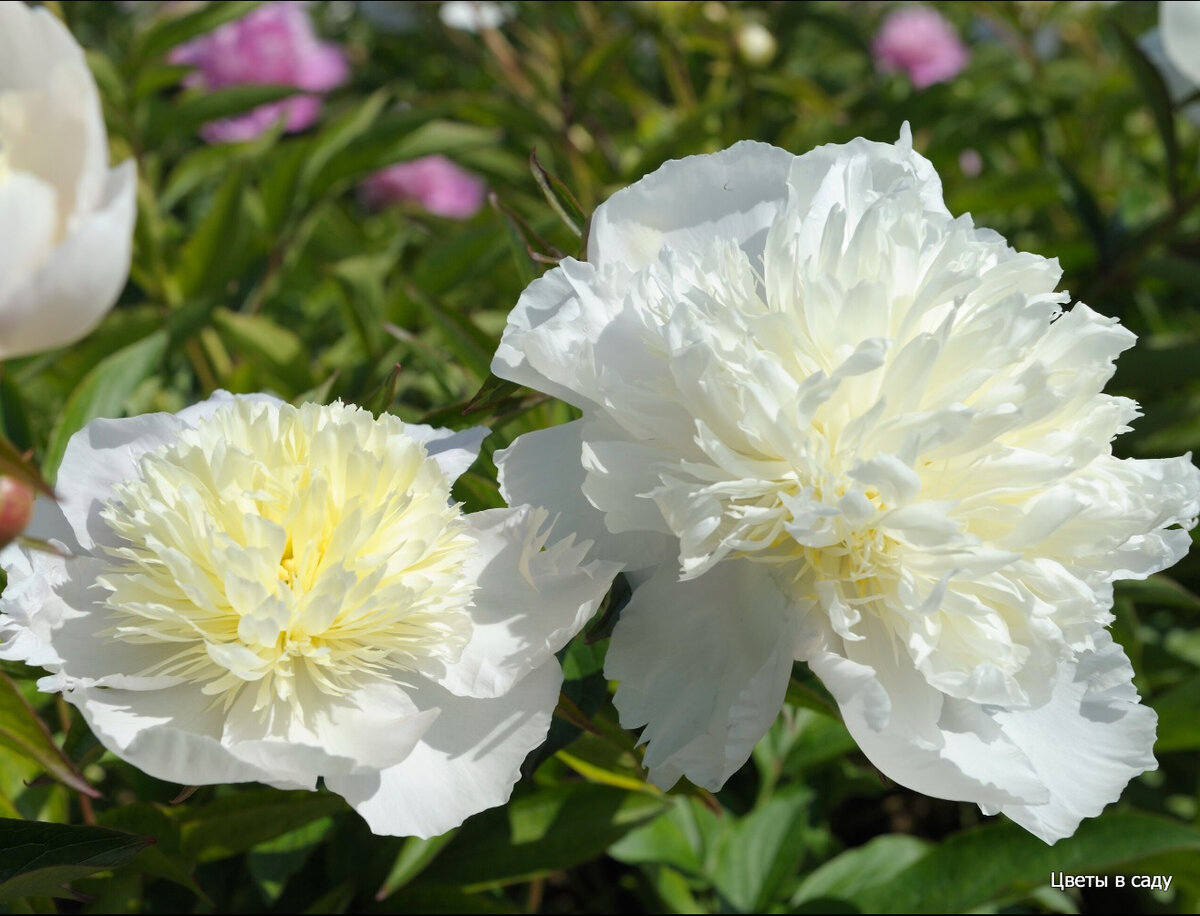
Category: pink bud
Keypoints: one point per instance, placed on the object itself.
(16, 506)
(434, 182)
(920, 42)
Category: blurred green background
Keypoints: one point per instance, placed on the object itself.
(258, 267)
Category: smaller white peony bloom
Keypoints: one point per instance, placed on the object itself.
(1174, 48)
(251, 591)
(474, 15)
(825, 420)
(66, 219)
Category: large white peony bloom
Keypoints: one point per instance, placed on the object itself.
(854, 430)
(66, 219)
(261, 592)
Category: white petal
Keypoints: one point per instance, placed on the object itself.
(29, 607)
(735, 193)
(101, 454)
(453, 451)
(467, 762)
(530, 601)
(915, 734)
(547, 343)
(375, 727)
(64, 141)
(171, 734)
(704, 665)
(194, 413)
(543, 468)
(1179, 25)
(1085, 744)
(29, 203)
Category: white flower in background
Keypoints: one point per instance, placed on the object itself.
(853, 430)
(254, 591)
(474, 15)
(1174, 48)
(66, 219)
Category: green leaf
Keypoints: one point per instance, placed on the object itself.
(103, 392)
(39, 859)
(857, 870)
(192, 111)
(542, 832)
(1178, 724)
(338, 134)
(271, 864)
(391, 138)
(243, 820)
(1156, 95)
(24, 732)
(752, 859)
(469, 343)
(413, 858)
(559, 196)
(205, 263)
(276, 348)
(162, 860)
(1001, 862)
(168, 32)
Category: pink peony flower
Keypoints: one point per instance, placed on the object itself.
(436, 183)
(920, 42)
(272, 45)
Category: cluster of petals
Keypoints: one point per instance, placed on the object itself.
(433, 182)
(919, 42)
(250, 591)
(825, 420)
(66, 218)
(272, 45)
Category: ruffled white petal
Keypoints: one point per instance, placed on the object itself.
(704, 666)
(544, 468)
(104, 453)
(453, 451)
(917, 735)
(1085, 744)
(468, 761)
(172, 734)
(534, 595)
(733, 193)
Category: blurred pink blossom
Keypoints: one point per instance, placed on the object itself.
(434, 182)
(917, 40)
(271, 45)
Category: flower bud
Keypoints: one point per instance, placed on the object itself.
(755, 44)
(16, 506)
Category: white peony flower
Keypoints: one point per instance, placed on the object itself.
(255, 591)
(474, 15)
(66, 219)
(854, 430)
(1174, 48)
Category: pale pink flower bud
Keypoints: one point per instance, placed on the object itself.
(920, 42)
(272, 45)
(434, 182)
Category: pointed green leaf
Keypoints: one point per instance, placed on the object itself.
(103, 392)
(243, 820)
(23, 731)
(1001, 862)
(39, 859)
